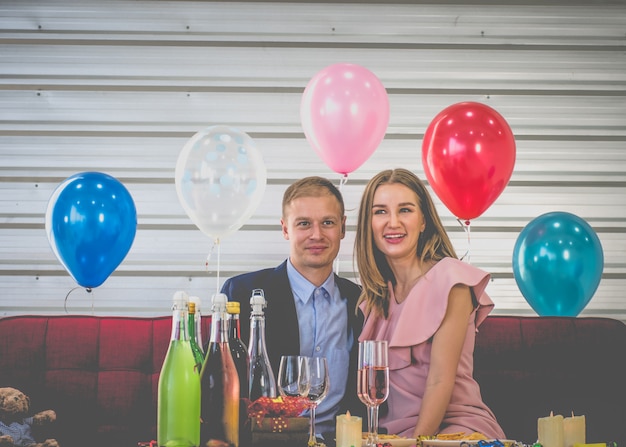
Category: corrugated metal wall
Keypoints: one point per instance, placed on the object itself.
(120, 86)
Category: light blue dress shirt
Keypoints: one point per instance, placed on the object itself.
(323, 322)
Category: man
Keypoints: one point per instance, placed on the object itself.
(310, 310)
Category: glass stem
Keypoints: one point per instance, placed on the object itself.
(374, 417)
(312, 438)
(370, 439)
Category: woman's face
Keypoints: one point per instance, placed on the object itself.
(397, 221)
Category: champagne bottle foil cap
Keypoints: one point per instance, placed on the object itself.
(233, 307)
(197, 301)
(219, 301)
(180, 300)
(192, 307)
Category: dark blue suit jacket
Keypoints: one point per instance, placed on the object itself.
(282, 336)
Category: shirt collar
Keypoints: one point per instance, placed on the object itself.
(302, 288)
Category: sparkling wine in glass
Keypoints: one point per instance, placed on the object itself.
(373, 382)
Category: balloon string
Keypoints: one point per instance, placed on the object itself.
(342, 182)
(219, 251)
(89, 290)
(216, 242)
(466, 228)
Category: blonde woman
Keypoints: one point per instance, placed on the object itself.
(427, 304)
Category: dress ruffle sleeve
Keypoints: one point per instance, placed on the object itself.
(425, 307)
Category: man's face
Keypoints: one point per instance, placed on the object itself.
(314, 227)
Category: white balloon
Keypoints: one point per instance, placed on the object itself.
(220, 179)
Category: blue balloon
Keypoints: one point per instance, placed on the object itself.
(91, 222)
(558, 263)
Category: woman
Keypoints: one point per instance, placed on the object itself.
(427, 304)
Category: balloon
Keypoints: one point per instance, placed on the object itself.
(220, 179)
(344, 113)
(91, 222)
(557, 263)
(468, 154)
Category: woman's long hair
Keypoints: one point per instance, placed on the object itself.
(374, 271)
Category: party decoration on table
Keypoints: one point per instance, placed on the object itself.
(91, 222)
(220, 179)
(344, 113)
(278, 410)
(468, 154)
(557, 264)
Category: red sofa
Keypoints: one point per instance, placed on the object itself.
(100, 374)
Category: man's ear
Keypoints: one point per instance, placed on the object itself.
(343, 227)
(283, 227)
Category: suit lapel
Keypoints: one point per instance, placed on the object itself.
(282, 332)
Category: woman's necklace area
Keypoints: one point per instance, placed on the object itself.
(400, 293)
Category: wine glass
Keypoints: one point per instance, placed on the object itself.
(293, 376)
(319, 385)
(306, 377)
(373, 382)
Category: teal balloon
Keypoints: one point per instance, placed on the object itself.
(91, 222)
(557, 263)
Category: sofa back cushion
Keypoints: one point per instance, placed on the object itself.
(530, 366)
(100, 374)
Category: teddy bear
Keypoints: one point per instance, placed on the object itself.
(15, 425)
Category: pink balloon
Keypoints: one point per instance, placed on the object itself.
(344, 113)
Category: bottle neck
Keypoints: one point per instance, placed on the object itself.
(257, 335)
(191, 326)
(219, 328)
(198, 329)
(234, 328)
(179, 327)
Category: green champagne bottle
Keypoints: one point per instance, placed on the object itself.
(178, 406)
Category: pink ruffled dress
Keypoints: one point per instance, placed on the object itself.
(409, 329)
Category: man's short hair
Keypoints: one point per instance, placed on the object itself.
(312, 186)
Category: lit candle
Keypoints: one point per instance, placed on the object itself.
(349, 429)
(550, 431)
(574, 430)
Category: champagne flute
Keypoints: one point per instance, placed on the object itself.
(373, 382)
(319, 385)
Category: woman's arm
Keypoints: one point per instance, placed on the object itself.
(446, 352)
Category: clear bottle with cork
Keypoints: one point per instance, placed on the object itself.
(220, 383)
(178, 400)
(261, 380)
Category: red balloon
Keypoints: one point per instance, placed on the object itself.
(468, 153)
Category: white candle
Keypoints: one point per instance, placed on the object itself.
(574, 430)
(550, 431)
(349, 429)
